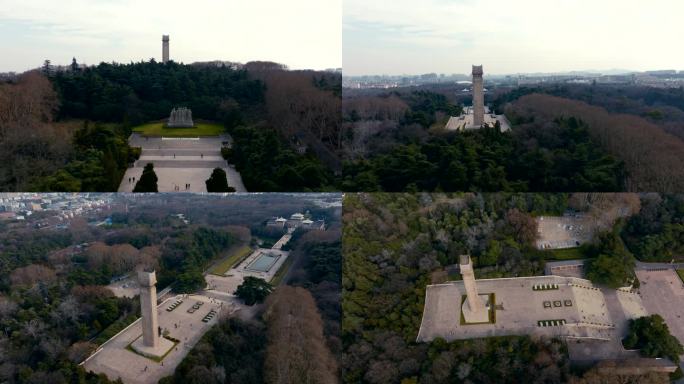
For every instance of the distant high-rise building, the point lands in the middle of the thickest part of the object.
(478, 96)
(165, 48)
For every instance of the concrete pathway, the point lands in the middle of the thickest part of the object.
(181, 161)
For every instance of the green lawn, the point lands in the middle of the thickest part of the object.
(235, 256)
(680, 272)
(275, 281)
(200, 129)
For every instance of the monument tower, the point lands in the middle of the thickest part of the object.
(148, 308)
(474, 310)
(478, 96)
(165, 48)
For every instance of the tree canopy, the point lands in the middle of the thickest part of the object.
(253, 290)
(651, 336)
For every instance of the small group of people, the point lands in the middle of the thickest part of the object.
(131, 180)
(177, 187)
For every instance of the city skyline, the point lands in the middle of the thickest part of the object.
(123, 31)
(528, 36)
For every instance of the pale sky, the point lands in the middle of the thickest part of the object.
(511, 36)
(299, 33)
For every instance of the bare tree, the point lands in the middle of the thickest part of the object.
(296, 352)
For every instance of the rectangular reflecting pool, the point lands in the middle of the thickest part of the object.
(263, 262)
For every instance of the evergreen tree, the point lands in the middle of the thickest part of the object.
(253, 290)
(148, 180)
(218, 182)
(652, 337)
(47, 68)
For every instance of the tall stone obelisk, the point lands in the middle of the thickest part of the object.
(474, 310)
(165, 48)
(148, 308)
(478, 96)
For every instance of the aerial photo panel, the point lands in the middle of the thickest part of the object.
(341, 191)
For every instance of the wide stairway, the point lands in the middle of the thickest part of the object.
(181, 165)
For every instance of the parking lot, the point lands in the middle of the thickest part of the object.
(557, 232)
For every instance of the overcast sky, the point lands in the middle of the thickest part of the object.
(511, 36)
(298, 33)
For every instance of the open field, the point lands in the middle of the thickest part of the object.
(200, 129)
(236, 255)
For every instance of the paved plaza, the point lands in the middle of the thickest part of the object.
(181, 161)
(466, 121)
(556, 232)
(520, 305)
(117, 361)
(662, 292)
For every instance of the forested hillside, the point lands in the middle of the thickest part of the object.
(661, 106)
(396, 244)
(397, 143)
(651, 156)
(393, 243)
(68, 130)
(139, 92)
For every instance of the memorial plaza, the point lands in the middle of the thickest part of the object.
(180, 161)
(117, 359)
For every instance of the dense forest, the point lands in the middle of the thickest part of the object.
(630, 140)
(652, 233)
(54, 308)
(392, 245)
(396, 244)
(661, 106)
(68, 130)
(267, 164)
(656, 233)
(651, 156)
(397, 143)
(136, 93)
